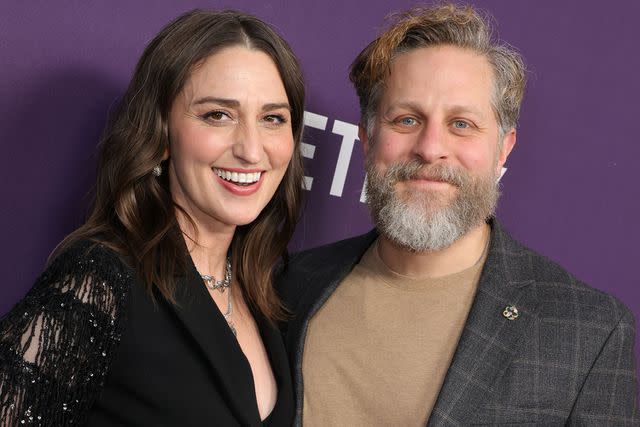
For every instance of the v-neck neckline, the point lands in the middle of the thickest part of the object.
(200, 313)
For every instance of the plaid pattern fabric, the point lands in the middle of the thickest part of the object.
(567, 359)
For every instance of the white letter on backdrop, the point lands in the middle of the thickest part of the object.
(349, 134)
(315, 121)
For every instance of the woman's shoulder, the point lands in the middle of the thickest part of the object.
(59, 339)
(85, 276)
(89, 255)
(89, 261)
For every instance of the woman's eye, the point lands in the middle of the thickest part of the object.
(275, 119)
(216, 116)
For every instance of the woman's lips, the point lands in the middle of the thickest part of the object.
(241, 182)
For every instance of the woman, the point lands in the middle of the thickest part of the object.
(160, 310)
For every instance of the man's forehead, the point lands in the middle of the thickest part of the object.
(428, 63)
(457, 77)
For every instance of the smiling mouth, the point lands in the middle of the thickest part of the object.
(429, 180)
(238, 178)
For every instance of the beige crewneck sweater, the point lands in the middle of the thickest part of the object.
(377, 352)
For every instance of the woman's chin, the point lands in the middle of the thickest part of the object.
(240, 220)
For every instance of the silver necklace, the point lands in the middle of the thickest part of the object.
(223, 285)
(220, 285)
(227, 315)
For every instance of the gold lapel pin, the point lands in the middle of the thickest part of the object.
(511, 312)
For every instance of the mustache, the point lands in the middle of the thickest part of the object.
(416, 169)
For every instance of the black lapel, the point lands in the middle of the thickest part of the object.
(489, 340)
(272, 340)
(317, 273)
(230, 368)
(277, 356)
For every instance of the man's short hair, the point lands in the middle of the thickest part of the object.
(448, 25)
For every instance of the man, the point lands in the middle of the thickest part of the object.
(438, 316)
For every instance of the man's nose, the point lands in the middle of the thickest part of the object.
(431, 145)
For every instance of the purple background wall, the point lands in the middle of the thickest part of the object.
(570, 192)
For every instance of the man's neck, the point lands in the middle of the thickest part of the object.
(462, 254)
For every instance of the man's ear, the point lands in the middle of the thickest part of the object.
(508, 142)
(364, 139)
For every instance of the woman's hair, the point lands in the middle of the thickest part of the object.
(133, 211)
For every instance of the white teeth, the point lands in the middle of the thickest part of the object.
(238, 177)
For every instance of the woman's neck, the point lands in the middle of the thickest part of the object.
(207, 242)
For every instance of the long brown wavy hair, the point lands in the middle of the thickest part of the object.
(133, 211)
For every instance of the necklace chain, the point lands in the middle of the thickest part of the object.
(227, 315)
(222, 286)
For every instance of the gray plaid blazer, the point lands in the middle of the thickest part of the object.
(566, 360)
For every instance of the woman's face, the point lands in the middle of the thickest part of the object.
(230, 138)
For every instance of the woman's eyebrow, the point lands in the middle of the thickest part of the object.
(235, 103)
(276, 106)
(213, 100)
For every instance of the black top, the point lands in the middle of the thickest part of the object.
(180, 365)
(87, 345)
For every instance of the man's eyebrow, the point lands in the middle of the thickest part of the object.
(461, 109)
(409, 105)
(452, 109)
(235, 103)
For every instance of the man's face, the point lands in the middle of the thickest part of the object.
(433, 158)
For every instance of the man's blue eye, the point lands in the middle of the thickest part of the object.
(459, 124)
(408, 121)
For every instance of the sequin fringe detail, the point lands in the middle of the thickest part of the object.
(56, 343)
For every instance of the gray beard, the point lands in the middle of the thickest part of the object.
(420, 221)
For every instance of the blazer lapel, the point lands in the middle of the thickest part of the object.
(489, 340)
(321, 274)
(206, 324)
(277, 356)
(274, 345)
